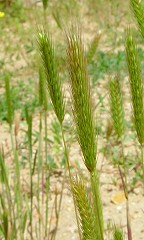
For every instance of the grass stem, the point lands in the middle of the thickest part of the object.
(125, 186)
(70, 178)
(97, 203)
(142, 161)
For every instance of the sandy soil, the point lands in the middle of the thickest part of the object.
(114, 204)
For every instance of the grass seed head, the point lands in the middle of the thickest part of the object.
(116, 106)
(84, 208)
(93, 47)
(138, 10)
(45, 4)
(135, 85)
(50, 66)
(82, 106)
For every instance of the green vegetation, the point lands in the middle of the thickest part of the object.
(59, 97)
(21, 97)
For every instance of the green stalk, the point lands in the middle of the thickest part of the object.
(47, 167)
(47, 199)
(39, 171)
(70, 178)
(18, 197)
(97, 203)
(29, 133)
(45, 20)
(142, 159)
(125, 186)
(59, 205)
(5, 181)
(43, 104)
